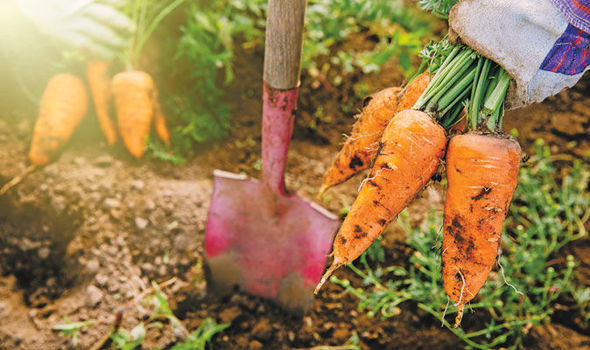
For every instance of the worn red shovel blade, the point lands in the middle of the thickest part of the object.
(259, 238)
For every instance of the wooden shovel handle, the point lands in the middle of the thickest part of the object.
(284, 37)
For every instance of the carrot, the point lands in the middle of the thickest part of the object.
(413, 145)
(160, 120)
(63, 105)
(133, 92)
(482, 172)
(361, 147)
(99, 81)
(413, 91)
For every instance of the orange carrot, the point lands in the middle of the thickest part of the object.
(412, 147)
(133, 92)
(63, 105)
(412, 92)
(160, 120)
(361, 147)
(99, 81)
(482, 172)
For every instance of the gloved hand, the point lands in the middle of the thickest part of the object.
(94, 25)
(543, 44)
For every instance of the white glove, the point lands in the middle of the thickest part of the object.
(94, 25)
(532, 39)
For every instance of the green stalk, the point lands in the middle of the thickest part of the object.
(449, 75)
(434, 82)
(450, 119)
(146, 15)
(458, 89)
(155, 22)
(457, 102)
(498, 94)
(447, 84)
(478, 90)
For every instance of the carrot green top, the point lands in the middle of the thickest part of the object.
(463, 80)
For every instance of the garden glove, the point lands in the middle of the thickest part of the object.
(543, 44)
(94, 25)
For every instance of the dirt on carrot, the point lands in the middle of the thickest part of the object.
(411, 149)
(362, 145)
(482, 172)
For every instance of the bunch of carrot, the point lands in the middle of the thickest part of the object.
(65, 99)
(404, 148)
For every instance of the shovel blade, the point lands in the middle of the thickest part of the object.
(269, 245)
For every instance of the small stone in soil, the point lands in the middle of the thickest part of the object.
(141, 223)
(262, 330)
(229, 315)
(137, 185)
(93, 295)
(150, 205)
(92, 266)
(255, 345)
(101, 279)
(340, 335)
(44, 252)
(111, 203)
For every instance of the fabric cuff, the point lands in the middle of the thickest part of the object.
(577, 12)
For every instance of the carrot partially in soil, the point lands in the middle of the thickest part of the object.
(63, 106)
(100, 87)
(133, 92)
(160, 121)
(361, 147)
(482, 172)
(413, 145)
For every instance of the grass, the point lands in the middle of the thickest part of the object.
(532, 275)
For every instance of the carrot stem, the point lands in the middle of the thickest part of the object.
(436, 79)
(449, 74)
(449, 99)
(497, 95)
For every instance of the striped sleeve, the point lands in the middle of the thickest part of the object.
(577, 12)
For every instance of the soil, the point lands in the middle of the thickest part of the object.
(85, 235)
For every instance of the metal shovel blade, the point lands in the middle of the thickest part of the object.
(259, 238)
(267, 245)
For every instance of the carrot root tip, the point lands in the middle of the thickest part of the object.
(17, 179)
(459, 316)
(322, 190)
(325, 277)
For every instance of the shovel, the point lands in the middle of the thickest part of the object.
(260, 238)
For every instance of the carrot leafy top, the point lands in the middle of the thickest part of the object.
(463, 80)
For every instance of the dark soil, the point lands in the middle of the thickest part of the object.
(83, 236)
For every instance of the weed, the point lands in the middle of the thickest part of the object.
(545, 216)
(196, 340)
(72, 329)
(130, 340)
(201, 336)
